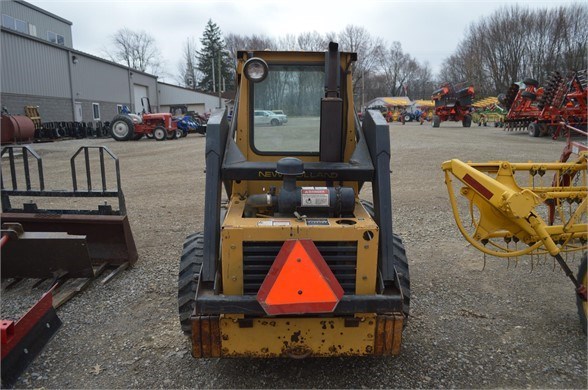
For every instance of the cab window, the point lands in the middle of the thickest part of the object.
(295, 92)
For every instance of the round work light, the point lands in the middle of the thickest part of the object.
(255, 69)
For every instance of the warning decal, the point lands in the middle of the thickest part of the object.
(314, 197)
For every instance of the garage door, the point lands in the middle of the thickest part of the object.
(140, 92)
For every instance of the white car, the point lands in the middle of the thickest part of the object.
(264, 117)
(281, 114)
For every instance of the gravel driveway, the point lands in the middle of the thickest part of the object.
(501, 327)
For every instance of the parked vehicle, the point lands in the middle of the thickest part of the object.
(127, 126)
(298, 266)
(281, 114)
(264, 117)
(187, 124)
(453, 102)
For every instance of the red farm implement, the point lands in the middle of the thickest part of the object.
(541, 111)
(453, 102)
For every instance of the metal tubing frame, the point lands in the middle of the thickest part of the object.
(76, 193)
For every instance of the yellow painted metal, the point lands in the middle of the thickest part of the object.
(510, 212)
(397, 102)
(584, 281)
(297, 337)
(243, 124)
(424, 103)
(284, 58)
(236, 229)
(486, 102)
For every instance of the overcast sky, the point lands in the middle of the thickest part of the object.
(428, 30)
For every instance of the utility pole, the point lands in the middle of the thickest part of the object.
(213, 80)
(219, 80)
(363, 90)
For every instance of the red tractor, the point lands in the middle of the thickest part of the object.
(541, 111)
(127, 126)
(453, 103)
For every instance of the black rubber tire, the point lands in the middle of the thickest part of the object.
(467, 121)
(529, 95)
(178, 134)
(534, 130)
(149, 135)
(123, 121)
(407, 118)
(275, 122)
(531, 82)
(400, 262)
(137, 137)
(579, 302)
(188, 278)
(160, 133)
(436, 121)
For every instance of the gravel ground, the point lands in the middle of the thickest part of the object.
(501, 327)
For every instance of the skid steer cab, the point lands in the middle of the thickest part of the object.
(295, 264)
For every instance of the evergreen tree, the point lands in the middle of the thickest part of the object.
(213, 46)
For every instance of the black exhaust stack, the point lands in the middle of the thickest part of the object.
(331, 143)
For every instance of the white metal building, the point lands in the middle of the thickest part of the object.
(174, 96)
(40, 67)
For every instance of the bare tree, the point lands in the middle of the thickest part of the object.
(136, 49)
(515, 43)
(379, 70)
(187, 70)
(236, 42)
(311, 41)
(358, 39)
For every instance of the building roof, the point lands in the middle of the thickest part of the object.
(424, 103)
(74, 51)
(224, 95)
(41, 10)
(391, 101)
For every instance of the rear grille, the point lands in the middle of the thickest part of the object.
(258, 257)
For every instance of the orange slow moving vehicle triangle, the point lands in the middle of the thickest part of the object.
(299, 281)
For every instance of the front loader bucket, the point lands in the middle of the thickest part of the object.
(108, 237)
(106, 232)
(43, 255)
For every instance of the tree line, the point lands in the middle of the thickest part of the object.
(511, 44)
(515, 43)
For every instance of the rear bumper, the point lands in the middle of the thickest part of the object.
(237, 326)
(296, 337)
(208, 304)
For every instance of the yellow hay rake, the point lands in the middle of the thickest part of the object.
(511, 219)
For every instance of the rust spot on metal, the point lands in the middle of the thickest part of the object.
(295, 338)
